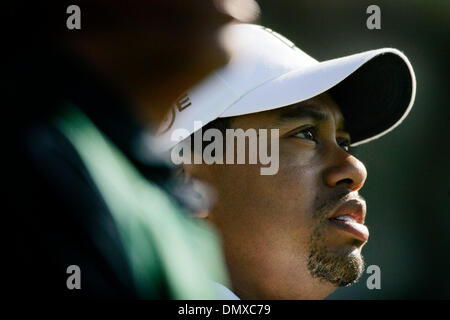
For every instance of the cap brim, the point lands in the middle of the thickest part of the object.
(374, 89)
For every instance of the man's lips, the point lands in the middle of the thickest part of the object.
(350, 217)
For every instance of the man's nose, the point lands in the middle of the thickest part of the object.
(346, 170)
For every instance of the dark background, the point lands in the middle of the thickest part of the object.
(407, 188)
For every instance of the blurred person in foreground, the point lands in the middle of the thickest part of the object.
(84, 187)
(292, 228)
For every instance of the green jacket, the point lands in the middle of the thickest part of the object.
(160, 241)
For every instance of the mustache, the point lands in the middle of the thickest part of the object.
(324, 208)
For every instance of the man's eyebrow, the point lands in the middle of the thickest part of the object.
(301, 111)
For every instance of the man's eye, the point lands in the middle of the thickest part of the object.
(307, 133)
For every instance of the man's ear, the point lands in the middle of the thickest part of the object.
(201, 195)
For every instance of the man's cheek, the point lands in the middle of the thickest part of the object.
(293, 152)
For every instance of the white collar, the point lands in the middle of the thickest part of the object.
(224, 293)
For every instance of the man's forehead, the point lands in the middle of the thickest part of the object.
(320, 108)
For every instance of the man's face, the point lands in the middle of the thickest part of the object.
(279, 240)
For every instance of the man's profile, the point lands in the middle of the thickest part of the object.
(297, 234)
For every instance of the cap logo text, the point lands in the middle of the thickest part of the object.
(183, 102)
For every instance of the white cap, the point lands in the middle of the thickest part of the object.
(374, 89)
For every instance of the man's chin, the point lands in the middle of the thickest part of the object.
(341, 266)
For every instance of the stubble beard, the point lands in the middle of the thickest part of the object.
(338, 267)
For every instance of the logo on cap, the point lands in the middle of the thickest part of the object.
(182, 103)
